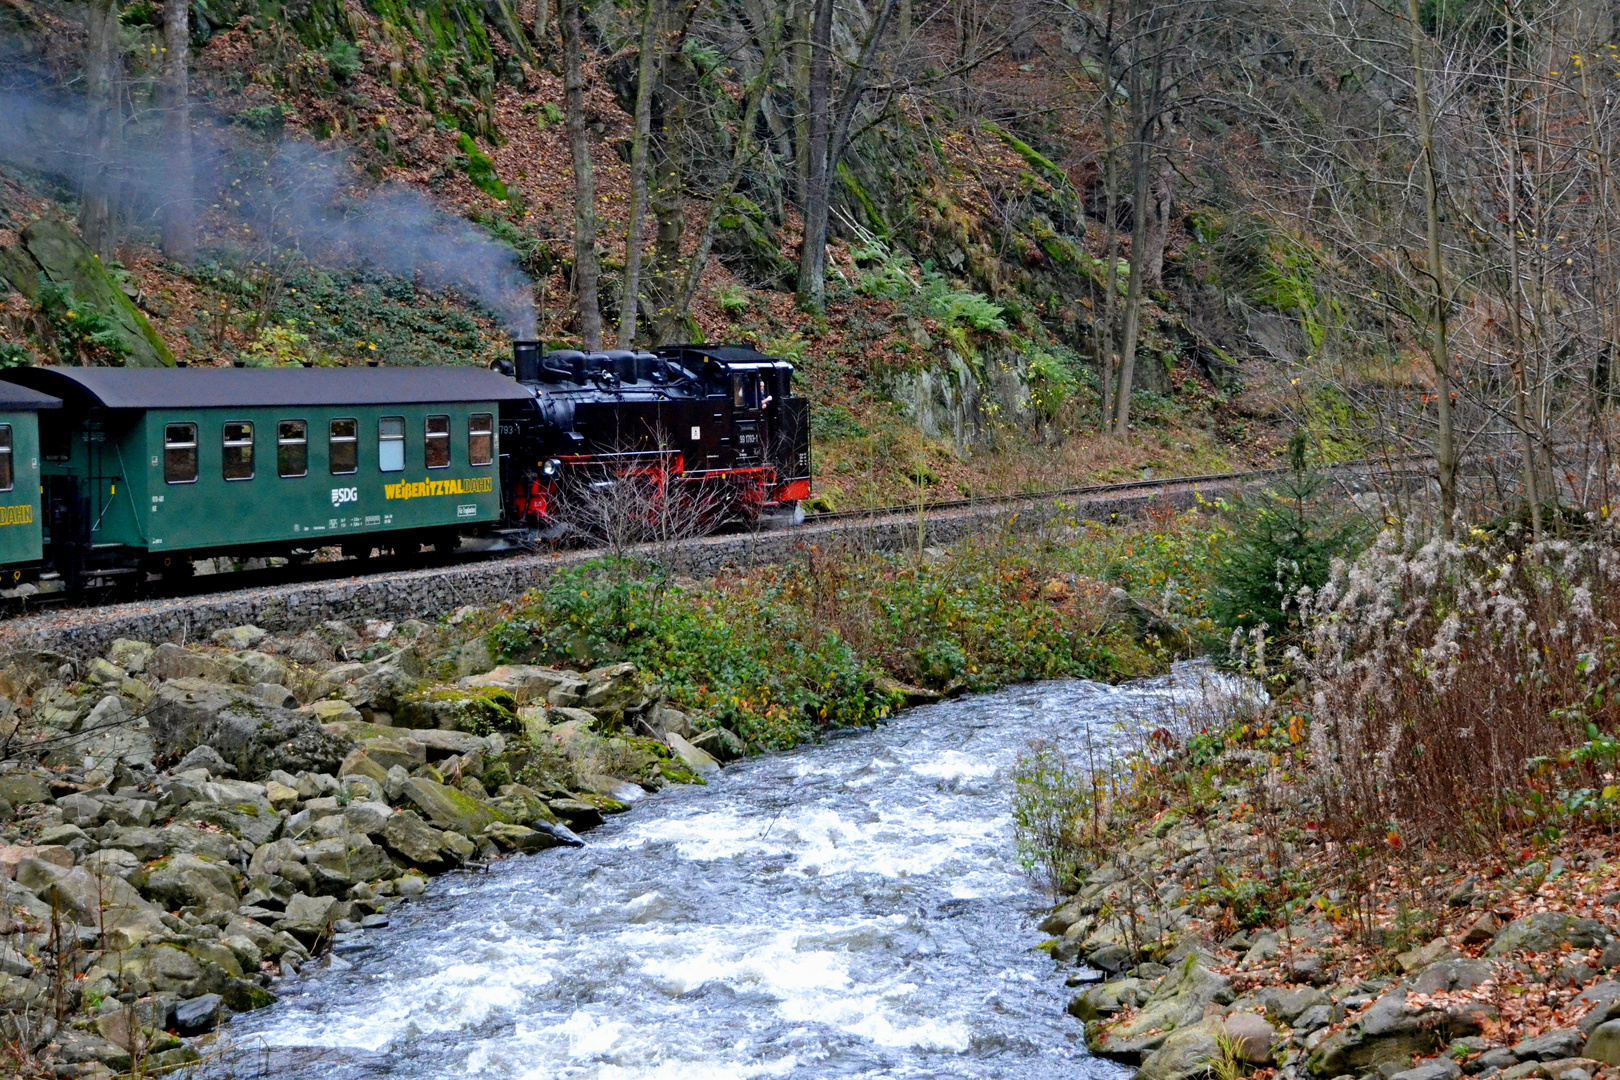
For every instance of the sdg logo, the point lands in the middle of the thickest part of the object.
(345, 495)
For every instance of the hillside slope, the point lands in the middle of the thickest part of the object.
(384, 181)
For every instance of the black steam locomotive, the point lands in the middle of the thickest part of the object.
(715, 427)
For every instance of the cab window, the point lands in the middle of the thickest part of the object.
(480, 438)
(437, 449)
(180, 453)
(343, 446)
(8, 478)
(292, 448)
(391, 444)
(238, 450)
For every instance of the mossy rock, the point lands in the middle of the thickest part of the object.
(478, 711)
(746, 243)
(53, 249)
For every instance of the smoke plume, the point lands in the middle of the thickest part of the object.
(293, 196)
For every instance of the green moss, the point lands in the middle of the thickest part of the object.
(873, 216)
(480, 169)
(1043, 165)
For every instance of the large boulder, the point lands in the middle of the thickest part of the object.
(1599, 1002)
(240, 807)
(1548, 930)
(171, 661)
(51, 250)
(1251, 1037)
(1393, 1030)
(1551, 1045)
(448, 808)
(1287, 1003)
(308, 918)
(186, 880)
(1103, 1000)
(1179, 1001)
(1190, 1052)
(106, 902)
(1604, 1043)
(252, 735)
(417, 843)
(698, 762)
(1455, 974)
(23, 788)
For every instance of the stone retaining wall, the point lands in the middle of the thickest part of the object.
(425, 594)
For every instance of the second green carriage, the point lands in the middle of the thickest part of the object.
(147, 469)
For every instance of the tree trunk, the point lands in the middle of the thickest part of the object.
(179, 240)
(1141, 164)
(1158, 225)
(646, 76)
(827, 146)
(542, 13)
(587, 271)
(798, 64)
(1521, 391)
(96, 220)
(817, 188)
(1445, 449)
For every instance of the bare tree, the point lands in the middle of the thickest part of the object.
(828, 137)
(587, 269)
(646, 76)
(178, 235)
(98, 183)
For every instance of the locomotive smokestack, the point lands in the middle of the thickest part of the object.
(526, 359)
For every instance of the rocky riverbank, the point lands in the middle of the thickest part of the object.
(1512, 971)
(184, 825)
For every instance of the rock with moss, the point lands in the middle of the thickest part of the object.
(447, 808)
(1188, 1052)
(1393, 1030)
(50, 252)
(1179, 1001)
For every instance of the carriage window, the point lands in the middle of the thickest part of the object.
(742, 392)
(480, 438)
(7, 477)
(391, 444)
(292, 448)
(238, 450)
(180, 453)
(438, 442)
(343, 446)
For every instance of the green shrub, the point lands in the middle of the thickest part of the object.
(732, 299)
(1283, 541)
(84, 335)
(343, 60)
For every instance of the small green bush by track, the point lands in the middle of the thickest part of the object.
(781, 653)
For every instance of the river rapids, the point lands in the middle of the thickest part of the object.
(854, 909)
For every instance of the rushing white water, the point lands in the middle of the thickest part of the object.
(847, 910)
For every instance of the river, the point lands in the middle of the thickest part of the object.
(853, 909)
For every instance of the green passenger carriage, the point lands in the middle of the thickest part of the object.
(147, 469)
(21, 524)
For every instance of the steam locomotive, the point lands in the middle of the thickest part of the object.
(718, 426)
(110, 475)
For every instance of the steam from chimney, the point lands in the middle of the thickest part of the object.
(298, 197)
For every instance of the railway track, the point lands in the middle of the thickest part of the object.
(296, 597)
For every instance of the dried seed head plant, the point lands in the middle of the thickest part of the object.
(1440, 670)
